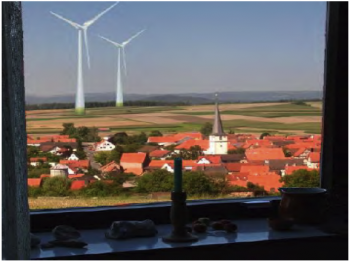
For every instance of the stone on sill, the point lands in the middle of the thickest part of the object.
(130, 229)
(72, 243)
(63, 232)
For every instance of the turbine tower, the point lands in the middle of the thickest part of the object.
(121, 52)
(82, 33)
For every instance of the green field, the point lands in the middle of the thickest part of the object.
(254, 117)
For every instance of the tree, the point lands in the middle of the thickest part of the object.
(207, 129)
(237, 151)
(80, 154)
(197, 183)
(116, 154)
(102, 157)
(264, 134)
(142, 138)
(119, 138)
(257, 189)
(286, 152)
(155, 133)
(170, 147)
(68, 129)
(302, 178)
(231, 131)
(56, 187)
(159, 180)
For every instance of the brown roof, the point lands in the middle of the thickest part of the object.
(233, 167)
(232, 158)
(280, 164)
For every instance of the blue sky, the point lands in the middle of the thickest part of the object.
(187, 46)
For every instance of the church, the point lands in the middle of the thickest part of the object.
(218, 142)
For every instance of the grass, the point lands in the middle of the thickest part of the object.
(312, 127)
(67, 202)
(192, 123)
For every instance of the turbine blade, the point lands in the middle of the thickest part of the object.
(124, 62)
(75, 25)
(133, 37)
(110, 41)
(93, 20)
(87, 47)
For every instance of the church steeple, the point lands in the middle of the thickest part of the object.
(217, 127)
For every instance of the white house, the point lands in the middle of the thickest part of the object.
(104, 146)
(73, 157)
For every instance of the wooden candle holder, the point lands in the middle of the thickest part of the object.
(178, 217)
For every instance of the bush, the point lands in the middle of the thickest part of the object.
(101, 189)
(157, 181)
(34, 192)
(197, 183)
(56, 187)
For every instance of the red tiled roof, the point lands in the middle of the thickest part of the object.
(252, 169)
(133, 158)
(44, 159)
(159, 163)
(163, 139)
(72, 176)
(264, 153)
(299, 152)
(233, 167)
(193, 135)
(212, 159)
(34, 182)
(314, 157)
(204, 144)
(110, 167)
(64, 140)
(76, 163)
(29, 141)
(77, 184)
(268, 180)
(159, 153)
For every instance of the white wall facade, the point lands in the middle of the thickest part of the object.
(217, 145)
(105, 146)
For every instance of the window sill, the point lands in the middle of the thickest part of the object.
(46, 220)
(249, 231)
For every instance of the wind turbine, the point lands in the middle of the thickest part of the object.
(82, 32)
(121, 52)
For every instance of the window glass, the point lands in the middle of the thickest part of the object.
(152, 84)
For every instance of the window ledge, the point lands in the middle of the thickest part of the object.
(249, 231)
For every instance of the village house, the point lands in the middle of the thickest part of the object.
(104, 145)
(233, 168)
(313, 161)
(73, 157)
(264, 154)
(134, 162)
(111, 167)
(37, 161)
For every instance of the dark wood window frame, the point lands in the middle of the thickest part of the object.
(334, 176)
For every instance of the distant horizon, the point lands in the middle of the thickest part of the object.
(182, 93)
